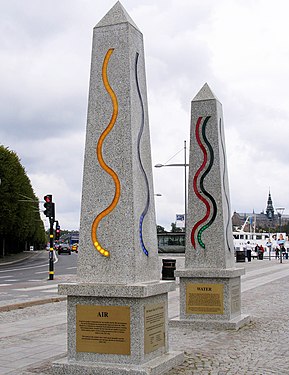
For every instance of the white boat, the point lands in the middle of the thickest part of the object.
(241, 240)
(242, 237)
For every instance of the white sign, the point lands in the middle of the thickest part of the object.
(180, 220)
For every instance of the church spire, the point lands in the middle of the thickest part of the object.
(270, 208)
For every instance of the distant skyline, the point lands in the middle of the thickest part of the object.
(239, 48)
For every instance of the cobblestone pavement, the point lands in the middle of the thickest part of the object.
(259, 348)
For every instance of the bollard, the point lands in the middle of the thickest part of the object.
(168, 269)
(240, 256)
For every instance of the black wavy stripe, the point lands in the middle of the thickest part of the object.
(139, 157)
(226, 196)
(211, 161)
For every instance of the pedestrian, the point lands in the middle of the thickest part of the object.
(248, 250)
(281, 243)
(269, 245)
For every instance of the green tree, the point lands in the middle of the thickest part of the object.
(160, 229)
(20, 222)
(175, 229)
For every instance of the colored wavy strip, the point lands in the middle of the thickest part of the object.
(204, 191)
(102, 163)
(202, 188)
(144, 249)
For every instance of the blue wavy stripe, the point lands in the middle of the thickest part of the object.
(140, 162)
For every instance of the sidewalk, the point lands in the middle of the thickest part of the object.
(15, 258)
(33, 337)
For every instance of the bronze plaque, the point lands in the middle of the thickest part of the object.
(103, 329)
(154, 327)
(235, 298)
(205, 299)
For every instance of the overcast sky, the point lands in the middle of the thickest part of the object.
(240, 48)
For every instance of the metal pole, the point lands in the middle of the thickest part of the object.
(270, 247)
(280, 250)
(185, 166)
(51, 264)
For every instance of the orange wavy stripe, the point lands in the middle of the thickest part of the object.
(102, 163)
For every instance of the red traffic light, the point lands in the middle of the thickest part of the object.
(48, 198)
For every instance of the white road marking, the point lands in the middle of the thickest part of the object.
(23, 268)
(50, 291)
(37, 288)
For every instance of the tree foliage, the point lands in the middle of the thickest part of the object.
(20, 222)
(175, 229)
(160, 229)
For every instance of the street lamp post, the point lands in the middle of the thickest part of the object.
(280, 242)
(185, 165)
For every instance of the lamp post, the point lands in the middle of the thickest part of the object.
(280, 241)
(185, 165)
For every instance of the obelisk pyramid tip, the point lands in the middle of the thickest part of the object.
(205, 94)
(117, 14)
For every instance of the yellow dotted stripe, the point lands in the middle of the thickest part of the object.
(102, 163)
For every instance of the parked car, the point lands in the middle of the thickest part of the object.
(64, 248)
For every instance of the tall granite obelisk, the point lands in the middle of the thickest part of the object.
(210, 293)
(118, 308)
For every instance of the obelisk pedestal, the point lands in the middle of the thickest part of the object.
(117, 313)
(210, 285)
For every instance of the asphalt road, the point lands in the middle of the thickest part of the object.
(28, 279)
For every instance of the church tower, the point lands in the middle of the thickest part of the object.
(270, 208)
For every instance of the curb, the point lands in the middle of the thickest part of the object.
(23, 305)
(33, 253)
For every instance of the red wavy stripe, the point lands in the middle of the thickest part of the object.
(195, 180)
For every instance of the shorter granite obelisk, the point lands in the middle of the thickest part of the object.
(210, 293)
(118, 309)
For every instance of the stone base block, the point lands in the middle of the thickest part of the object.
(233, 324)
(211, 298)
(157, 366)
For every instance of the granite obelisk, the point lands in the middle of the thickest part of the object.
(117, 308)
(210, 293)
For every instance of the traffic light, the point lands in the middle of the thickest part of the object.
(57, 231)
(49, 207)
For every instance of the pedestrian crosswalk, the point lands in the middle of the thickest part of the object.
(41, 287)
(37, 290)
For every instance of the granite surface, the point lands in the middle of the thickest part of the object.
(209, 211)
(127, 152)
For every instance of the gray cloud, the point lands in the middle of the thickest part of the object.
(45, 60)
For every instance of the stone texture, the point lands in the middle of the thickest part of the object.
(217, 238)
(118, 265)
(118, 231)
(210, 285)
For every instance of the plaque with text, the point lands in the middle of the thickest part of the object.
(154, 327)
(103, 329)
(205, 298)
(235, 298)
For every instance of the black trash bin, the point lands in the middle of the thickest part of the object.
(240, 256)
(168, 269)
(260, 255)
(249, 255)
